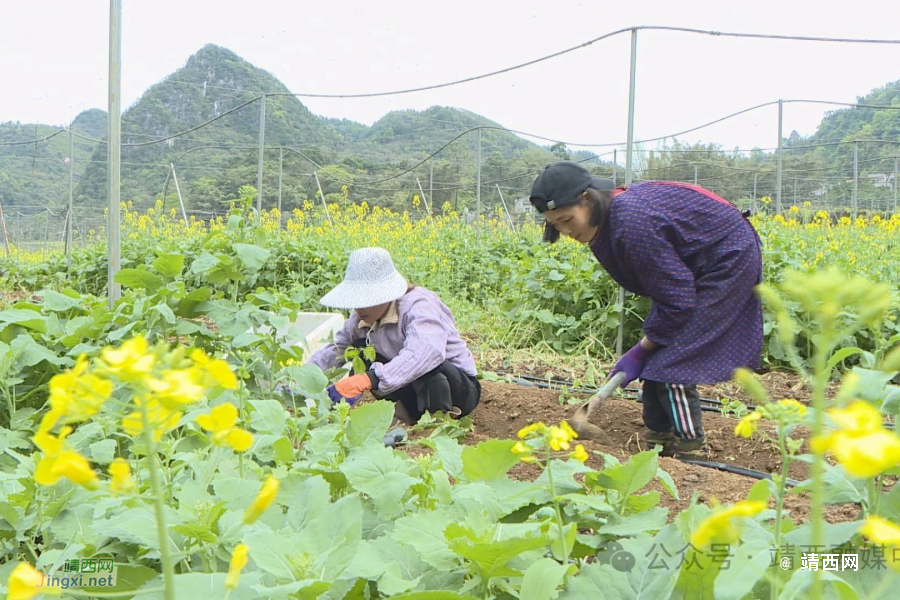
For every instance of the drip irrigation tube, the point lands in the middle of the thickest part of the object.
(738, 470)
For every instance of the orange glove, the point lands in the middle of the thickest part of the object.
(350, 387)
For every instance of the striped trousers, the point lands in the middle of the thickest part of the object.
(673, 407)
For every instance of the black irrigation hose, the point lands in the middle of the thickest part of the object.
(561, 383)
(738, 470)
(558, 384)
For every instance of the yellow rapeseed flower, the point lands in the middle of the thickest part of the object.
(265, 498)
(861, 444)
(161, 419)
(237, 564)
(793, 404)
(221, 422)
(720, 527)
(215, 371)
(748, 425)
(76, 395)
(579, 454)
(23, 584)
(564, 425)
(177, 388)
(530, 429)
(59, 461)
(120, 476)
(130, 362)
(559, 439)
(521, 448)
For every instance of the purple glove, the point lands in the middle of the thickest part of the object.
(336, 396)
(632, 363)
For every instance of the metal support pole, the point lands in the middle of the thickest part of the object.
(508, 216)
(262, 142)
(695, 174)
(322, 195)
(615, 165)
(69, 223)
(620, 336)
(895, 184)
(431, 183)
(754, 188)
(114, 150)
(855, 200)
(780, 158)
(478, 188)
(424, 199)
(280, 169)
(178, 191)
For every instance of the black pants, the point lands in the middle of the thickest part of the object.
(438, 390)
(673, 407)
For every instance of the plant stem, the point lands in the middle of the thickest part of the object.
(820, 380)
(559, 522)
(159, 508)
(779, 503)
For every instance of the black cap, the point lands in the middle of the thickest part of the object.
(562, 183)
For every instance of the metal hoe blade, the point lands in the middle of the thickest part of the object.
(580, 421)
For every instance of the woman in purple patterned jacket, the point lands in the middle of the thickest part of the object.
(421, 362)
(698, 259)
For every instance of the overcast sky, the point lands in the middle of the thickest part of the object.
(54, 59)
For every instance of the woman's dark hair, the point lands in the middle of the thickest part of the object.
(595, 199)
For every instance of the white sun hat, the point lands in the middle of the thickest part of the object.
(371, 279)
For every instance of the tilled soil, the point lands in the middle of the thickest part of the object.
(506, 408)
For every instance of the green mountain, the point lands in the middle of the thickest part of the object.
(37, 175)
(212, 162)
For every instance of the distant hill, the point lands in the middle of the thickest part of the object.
(38, 174)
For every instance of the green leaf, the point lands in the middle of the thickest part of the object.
(667, 482)
(169, 265)
(834, 534)
(871, 384)
(165, 312)
(798, 586)
(649, 520)
(840, 356)
(368, 423)
(489, 460)
(839, 487)
(652, 575)
(380, 474)
(748, 564)
(28, 319)
(433, 596)
(424, 531)
(449, 452)
(128, 577)
(268, 416)
(491, 557)
(542, 579)
(252, 256)
(193, 586)
(630, 477)
(104, 451)
(761, 491)
(273, 552)
(307, 501)
(56, 302)
(204, 263)
(308, 380)
(136, 526)
(139, 279)
(333, 540)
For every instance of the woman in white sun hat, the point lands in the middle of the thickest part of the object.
(421, 362)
